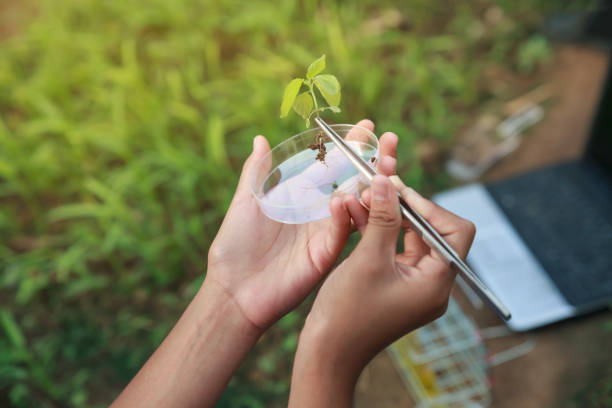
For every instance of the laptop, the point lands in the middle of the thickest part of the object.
(544, 238)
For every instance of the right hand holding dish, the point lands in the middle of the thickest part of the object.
(377, 295)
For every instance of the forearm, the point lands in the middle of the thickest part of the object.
(193, 365)
(323, 376)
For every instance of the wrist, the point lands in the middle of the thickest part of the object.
(331, 342)
(218, 304)
(195, 362)
(324, 372)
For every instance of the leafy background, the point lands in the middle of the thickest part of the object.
(123, 126)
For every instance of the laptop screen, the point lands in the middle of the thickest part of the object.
(600, 142)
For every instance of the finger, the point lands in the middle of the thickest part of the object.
(366, 198)
(252, 167)
(458, 231)
(385, 220)
(357, 212)
(387, 162)
(435, 282)
(388, 144)
(365, 202)
(366, 123)
(386, 165)
(361, 132)
(414, 248)
(339, 229)
(435, 268)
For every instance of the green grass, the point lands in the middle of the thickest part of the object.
(123, 127)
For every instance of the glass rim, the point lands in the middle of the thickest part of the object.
(252, 180)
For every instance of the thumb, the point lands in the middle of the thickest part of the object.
(260, 148)
(385, 218)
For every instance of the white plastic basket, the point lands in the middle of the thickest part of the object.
(444, 363)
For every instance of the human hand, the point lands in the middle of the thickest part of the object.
(376, 295)
(267, 267)
(258, 270)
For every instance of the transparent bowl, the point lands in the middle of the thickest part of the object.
(293, 187)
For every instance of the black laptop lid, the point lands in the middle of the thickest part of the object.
(562, 213)
(599, 147)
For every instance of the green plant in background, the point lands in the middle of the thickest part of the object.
(532, 53)
(123, 129)
(306, 104)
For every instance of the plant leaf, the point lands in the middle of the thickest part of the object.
(291, 92)
(215, 140)
(334, 109)
(303, 104)
(11, 328)
(329, 87)
(316, 67)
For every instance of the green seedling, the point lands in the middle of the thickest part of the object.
(306, 103)
(301, 95)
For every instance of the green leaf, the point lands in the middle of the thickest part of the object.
(291, 92)
(316, 67)
(86, 284)
(334, 109)
(215, 140)
(30, 286)
(303, 104)
(11, 328)
(70, 211)
(329, 87)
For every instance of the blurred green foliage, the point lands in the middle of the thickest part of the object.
(123, 126)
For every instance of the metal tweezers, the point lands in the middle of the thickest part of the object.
(429, 235)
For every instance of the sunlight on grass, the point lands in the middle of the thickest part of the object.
(123, 127)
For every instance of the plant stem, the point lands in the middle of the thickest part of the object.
(314, 99)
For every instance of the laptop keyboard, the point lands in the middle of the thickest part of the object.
(564, 215)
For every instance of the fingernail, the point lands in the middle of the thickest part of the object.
(379, 189)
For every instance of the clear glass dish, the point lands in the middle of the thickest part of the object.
(292, 186)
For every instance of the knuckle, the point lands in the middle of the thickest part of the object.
(385, 218)
(468, 227)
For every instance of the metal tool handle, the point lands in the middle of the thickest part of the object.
(446, 253)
